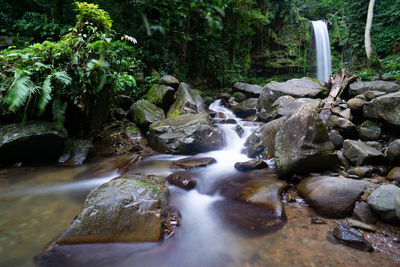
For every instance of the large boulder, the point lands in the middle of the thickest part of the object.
(302, 145)
(188, 101)
(297, 88)
(161, 95)
(287, 105)
(262, 141)
(332, 196)
(169, 80)
(380, 86)
(385, 107)
(383, 202)
(126, 209)
(31, 142)
(145, 113)
(246, 108)
(185, 134)
(345, 127)
(360, 153)
(250, 90)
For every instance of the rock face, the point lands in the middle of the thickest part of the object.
(76, 152)
(287, 105)
(188, 101)
(169, 80)
(369, 130)
(262, 141)
(393, 151)
(31, 142)
(360, 154)
(185, 134)
(126, 209)
(145, 113)
(380, 86)
(246, 108)
(351, 237)
(385, 107)
(302, 145)
(250, 90)
(383, 202)
(192, 162)
(161, 95)
(332, 196)
(297, 88)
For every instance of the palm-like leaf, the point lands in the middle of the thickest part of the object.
(45, 94)
(62, 77)
(59, 109)
(20, 89)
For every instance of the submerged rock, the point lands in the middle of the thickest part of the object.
(193, 162)
(302, 145)
(385, 107)
(352, 238)
(185, 134)
(182, 179)
(31, 142)
(250, 90)
(383, 202)
(380, 86)
(251, 165)
(127, 209)
(145, 113)
(360, 153)
(76, 152)
(188, 101)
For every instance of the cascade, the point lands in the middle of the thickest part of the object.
(323, 50)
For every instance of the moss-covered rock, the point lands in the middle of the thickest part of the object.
(169, 80)
(145, 113)
(161, 95)
(369, 130)
(188, 101)
(385, 107)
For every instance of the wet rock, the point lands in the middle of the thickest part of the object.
(373, 94)
(352, 238)
(302, 145)
(382, 201)
(342, 159)
(297, 88)
(239, 97)
(360, 154)
(317, 220)
(251, 165)
(381, 86)
(262, 141)
(393, 151)
(287, 105)
(169, 80)
(356, 103)
(228, 121)
(161, 96)
(246, 108)
(193, 162)
(182, 179)
(363, 213)
(127, 209)
(144, 113)
(239, 130)
(385, 107)
(369, 130)
(332, 196)
(188, 101)
(185, 134)
(250, 90)
(336, 139)
(361, 225)
(394, 174)
(361, 172)
(31, 142)
(345, 126)
(76, 151)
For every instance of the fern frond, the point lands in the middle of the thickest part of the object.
(45, 94)
(20, 89)
(62, 77)
(59, 110)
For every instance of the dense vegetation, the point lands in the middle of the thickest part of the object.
(53, 68)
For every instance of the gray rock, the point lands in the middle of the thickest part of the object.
(342, 159)
(287, 105)
(332, 196)
(352, 238)
(360, 154)
(361, 225)
(239, 97)
(144, 113)
(185, 134)
(129, 208)
(76, 151)
(345, 126)
(336, 139)
(188, 101)
(361, 172)
(31, 141)
(344, 113)
(394, 174)
(356, 103)
(393, 151)
(302, 145)
(382, 202)
(385, 107)
(246, 108)
(161, 95)
(397, 208)
(262, 141)
(369, 130)
(169, 80)
(297, 88)
(373, 94)
(250, 90)
(363, 213)
(193, 162)
(381, 86)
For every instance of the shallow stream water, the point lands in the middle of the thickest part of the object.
(38, 203)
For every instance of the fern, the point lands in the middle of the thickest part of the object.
(62, 77)
(45, 94)
(59, 110)
(20, 89)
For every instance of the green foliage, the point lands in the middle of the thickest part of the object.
(91, 13)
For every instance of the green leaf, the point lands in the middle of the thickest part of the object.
(62, 77)
(20, 89)
(44, 95)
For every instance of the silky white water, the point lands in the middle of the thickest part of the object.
(323, 50)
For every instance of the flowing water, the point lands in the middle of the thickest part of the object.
(323, 50)
(37, 204)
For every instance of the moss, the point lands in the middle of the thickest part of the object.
(173, 114)
(133, 128)
(321, 129)
(313, 79)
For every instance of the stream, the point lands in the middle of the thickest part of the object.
(38, 203)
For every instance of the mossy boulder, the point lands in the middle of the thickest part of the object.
(302, 145)
(187, 101)
(369, 130)
(31, 142)
(250, 90)
(386, 108)
(185, 134)
(161, 95)
(129, 208)
(144, 113)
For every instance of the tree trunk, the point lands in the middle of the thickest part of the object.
(368, 44)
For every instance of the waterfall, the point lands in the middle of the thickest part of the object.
(323, 48)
